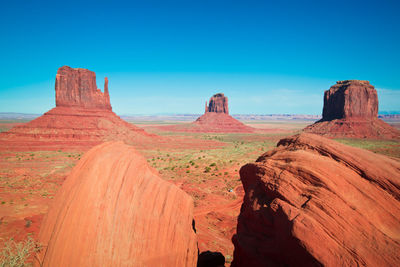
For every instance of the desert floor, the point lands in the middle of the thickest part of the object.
(209, 173)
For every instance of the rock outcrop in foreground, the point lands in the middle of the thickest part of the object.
(351, 110)
(315, 202)
(82, 117)
(114, 210)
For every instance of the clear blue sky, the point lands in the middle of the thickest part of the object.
(171, 56)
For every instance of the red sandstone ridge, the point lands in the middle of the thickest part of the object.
(315, 202)
(114, 210)
(215, 119)
(351, 110)
(82, 117)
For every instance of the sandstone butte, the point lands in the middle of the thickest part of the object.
(315, 202)
(351, 110)
(114, 210)
(215, 119)
(82, 117)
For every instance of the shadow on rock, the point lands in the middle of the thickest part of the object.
(211, 259)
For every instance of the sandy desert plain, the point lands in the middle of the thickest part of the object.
(206, 167)
(118, 146)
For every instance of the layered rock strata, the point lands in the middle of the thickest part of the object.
(351, 110)
(315, 202)
(83, 117)
(114, 210)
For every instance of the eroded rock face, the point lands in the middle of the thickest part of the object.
(82, 118)
(351, 110)
(315, 202)
(77, 88)
(350, 99)
(218, 103)
(217, 119)
(219, 122)
(114, 210)
(354, 128)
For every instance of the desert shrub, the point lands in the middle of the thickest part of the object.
(16, 254)
(213, 164)
(207, 169)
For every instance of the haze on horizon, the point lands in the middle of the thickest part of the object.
(166, 57)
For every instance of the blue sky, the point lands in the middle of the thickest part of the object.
(170, 56)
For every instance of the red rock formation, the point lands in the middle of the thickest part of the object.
(218, 103)
(114, 210)
(351, 110)
(82, 117)
(215, 119)
(354, 128)
(349, 99)
(219, 122)
(77, 88)
(315, 202)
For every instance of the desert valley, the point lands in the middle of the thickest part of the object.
(82, 187)
(199, 133)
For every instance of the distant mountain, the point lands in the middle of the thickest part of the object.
(392, 115)
(392, 112)
(17, 116)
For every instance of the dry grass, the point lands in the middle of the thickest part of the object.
(18, 254)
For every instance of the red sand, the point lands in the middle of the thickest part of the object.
(211, 122)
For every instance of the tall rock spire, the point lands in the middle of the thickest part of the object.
(218, 103)
(77, 88)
